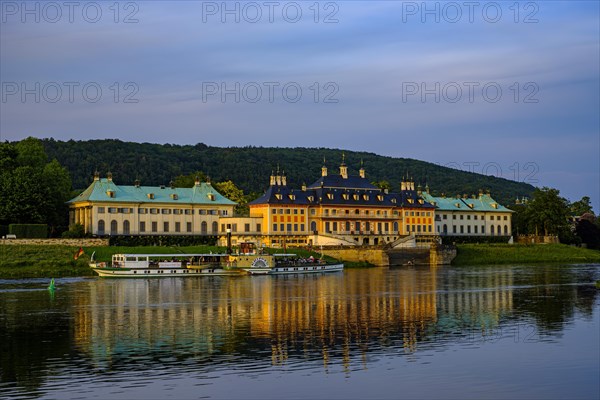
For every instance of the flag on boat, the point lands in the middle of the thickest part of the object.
(78, 253)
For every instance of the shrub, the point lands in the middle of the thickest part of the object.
(29, 231)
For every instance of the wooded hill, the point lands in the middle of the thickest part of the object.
(250, 167)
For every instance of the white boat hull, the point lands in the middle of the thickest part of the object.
(305, 269)
(160, 273)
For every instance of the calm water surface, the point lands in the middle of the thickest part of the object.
(482, 332)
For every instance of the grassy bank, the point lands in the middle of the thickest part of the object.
(36, 261)
(478, 254)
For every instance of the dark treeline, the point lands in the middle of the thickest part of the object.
(249, 167)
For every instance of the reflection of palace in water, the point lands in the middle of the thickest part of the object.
(334, 316)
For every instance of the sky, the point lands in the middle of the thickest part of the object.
(509, 89)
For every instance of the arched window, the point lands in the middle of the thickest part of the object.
(204, 228)
(506, 230)
(396, 226)
(445, 229)
(367, 226)
(347, 226)
(492, 229)
(113, 227)
(126, 227)
(313, 226)
(215, 227)
(499, 230)
(101, 227)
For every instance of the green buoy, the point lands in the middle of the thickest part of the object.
(51, 287)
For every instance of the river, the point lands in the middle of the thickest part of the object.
(500, 332)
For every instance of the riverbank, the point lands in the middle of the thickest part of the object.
(55, 261)
(487, 254)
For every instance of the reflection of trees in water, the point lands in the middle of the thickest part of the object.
(551, 295)
(32, 331)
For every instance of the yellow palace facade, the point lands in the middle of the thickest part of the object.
(337, 209)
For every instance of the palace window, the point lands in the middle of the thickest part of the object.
(154, 226)
(165, 211)
(246, 227)
(112, 210)
(165, 227)
(142, 226)
(189, 212)
(142, 211)
(188, 226)
(100, 210)
(177, 226)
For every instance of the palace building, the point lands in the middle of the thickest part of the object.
(337, 209)
(470, 216)
(105, 208)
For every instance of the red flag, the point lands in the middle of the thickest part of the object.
(78, 253)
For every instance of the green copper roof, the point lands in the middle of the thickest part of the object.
(105, 190)
(484, 202)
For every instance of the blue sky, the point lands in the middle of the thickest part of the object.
(510, 86)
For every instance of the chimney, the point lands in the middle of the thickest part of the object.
(109, 176)
(278, 178)
(419, 191)
(304, 187)
(172, 184)
(96, 176)
(272, 181)
(137, 183)
(361, 171)
(403, 185)
(197, 181)
(343, 167)
(283, 179)
(323, 171)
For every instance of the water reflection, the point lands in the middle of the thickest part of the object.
(94, 327)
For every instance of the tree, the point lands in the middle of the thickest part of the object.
(547, 213)
(589, 233)
(186, 181)
(383, 185)
(31, 189)
(581, 207)
(233, 193)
